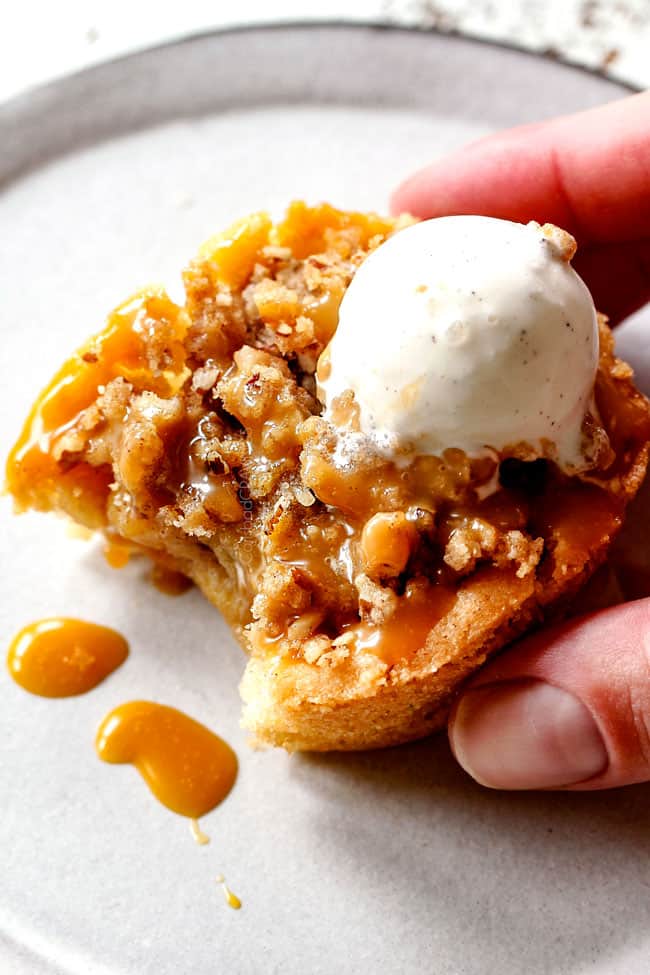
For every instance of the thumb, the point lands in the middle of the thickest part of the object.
(566, 708)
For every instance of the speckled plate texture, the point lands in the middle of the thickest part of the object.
(392, 861)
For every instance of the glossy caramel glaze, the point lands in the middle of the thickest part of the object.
(406, 631)
(187, 767)
(62, 657)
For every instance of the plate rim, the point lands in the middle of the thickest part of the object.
(353, 26)
(24, 112)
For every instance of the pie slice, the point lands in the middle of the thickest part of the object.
(362, 592)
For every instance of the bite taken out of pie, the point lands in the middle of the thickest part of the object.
(383, 449)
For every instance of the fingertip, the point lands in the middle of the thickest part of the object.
(411, 197)
(440, 188)
(451, 186)
(509, 175)
(445, 186)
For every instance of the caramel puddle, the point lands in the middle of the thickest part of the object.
(187, 767)
(61, 657)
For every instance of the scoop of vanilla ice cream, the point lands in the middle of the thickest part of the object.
(467, 332)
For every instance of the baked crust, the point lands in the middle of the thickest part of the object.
(192, 434)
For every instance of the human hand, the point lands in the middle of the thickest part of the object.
(568, 707)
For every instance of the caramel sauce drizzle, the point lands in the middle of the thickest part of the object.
(199, 837)
(231, 899)
(406, 631)
(117, 552)
(61, 657)
(188, 768)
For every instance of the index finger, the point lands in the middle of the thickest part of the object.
(588, 173)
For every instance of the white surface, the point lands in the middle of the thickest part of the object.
(390, 861)
(468, 332)
(41, 40)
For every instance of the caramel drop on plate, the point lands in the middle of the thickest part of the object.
(199, 837)
(231, 899)
(117, 553)
(170, 582)
(187, 767)
(61, 657)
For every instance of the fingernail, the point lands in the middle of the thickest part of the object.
(526, 734)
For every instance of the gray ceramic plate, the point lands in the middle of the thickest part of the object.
(390, 861)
